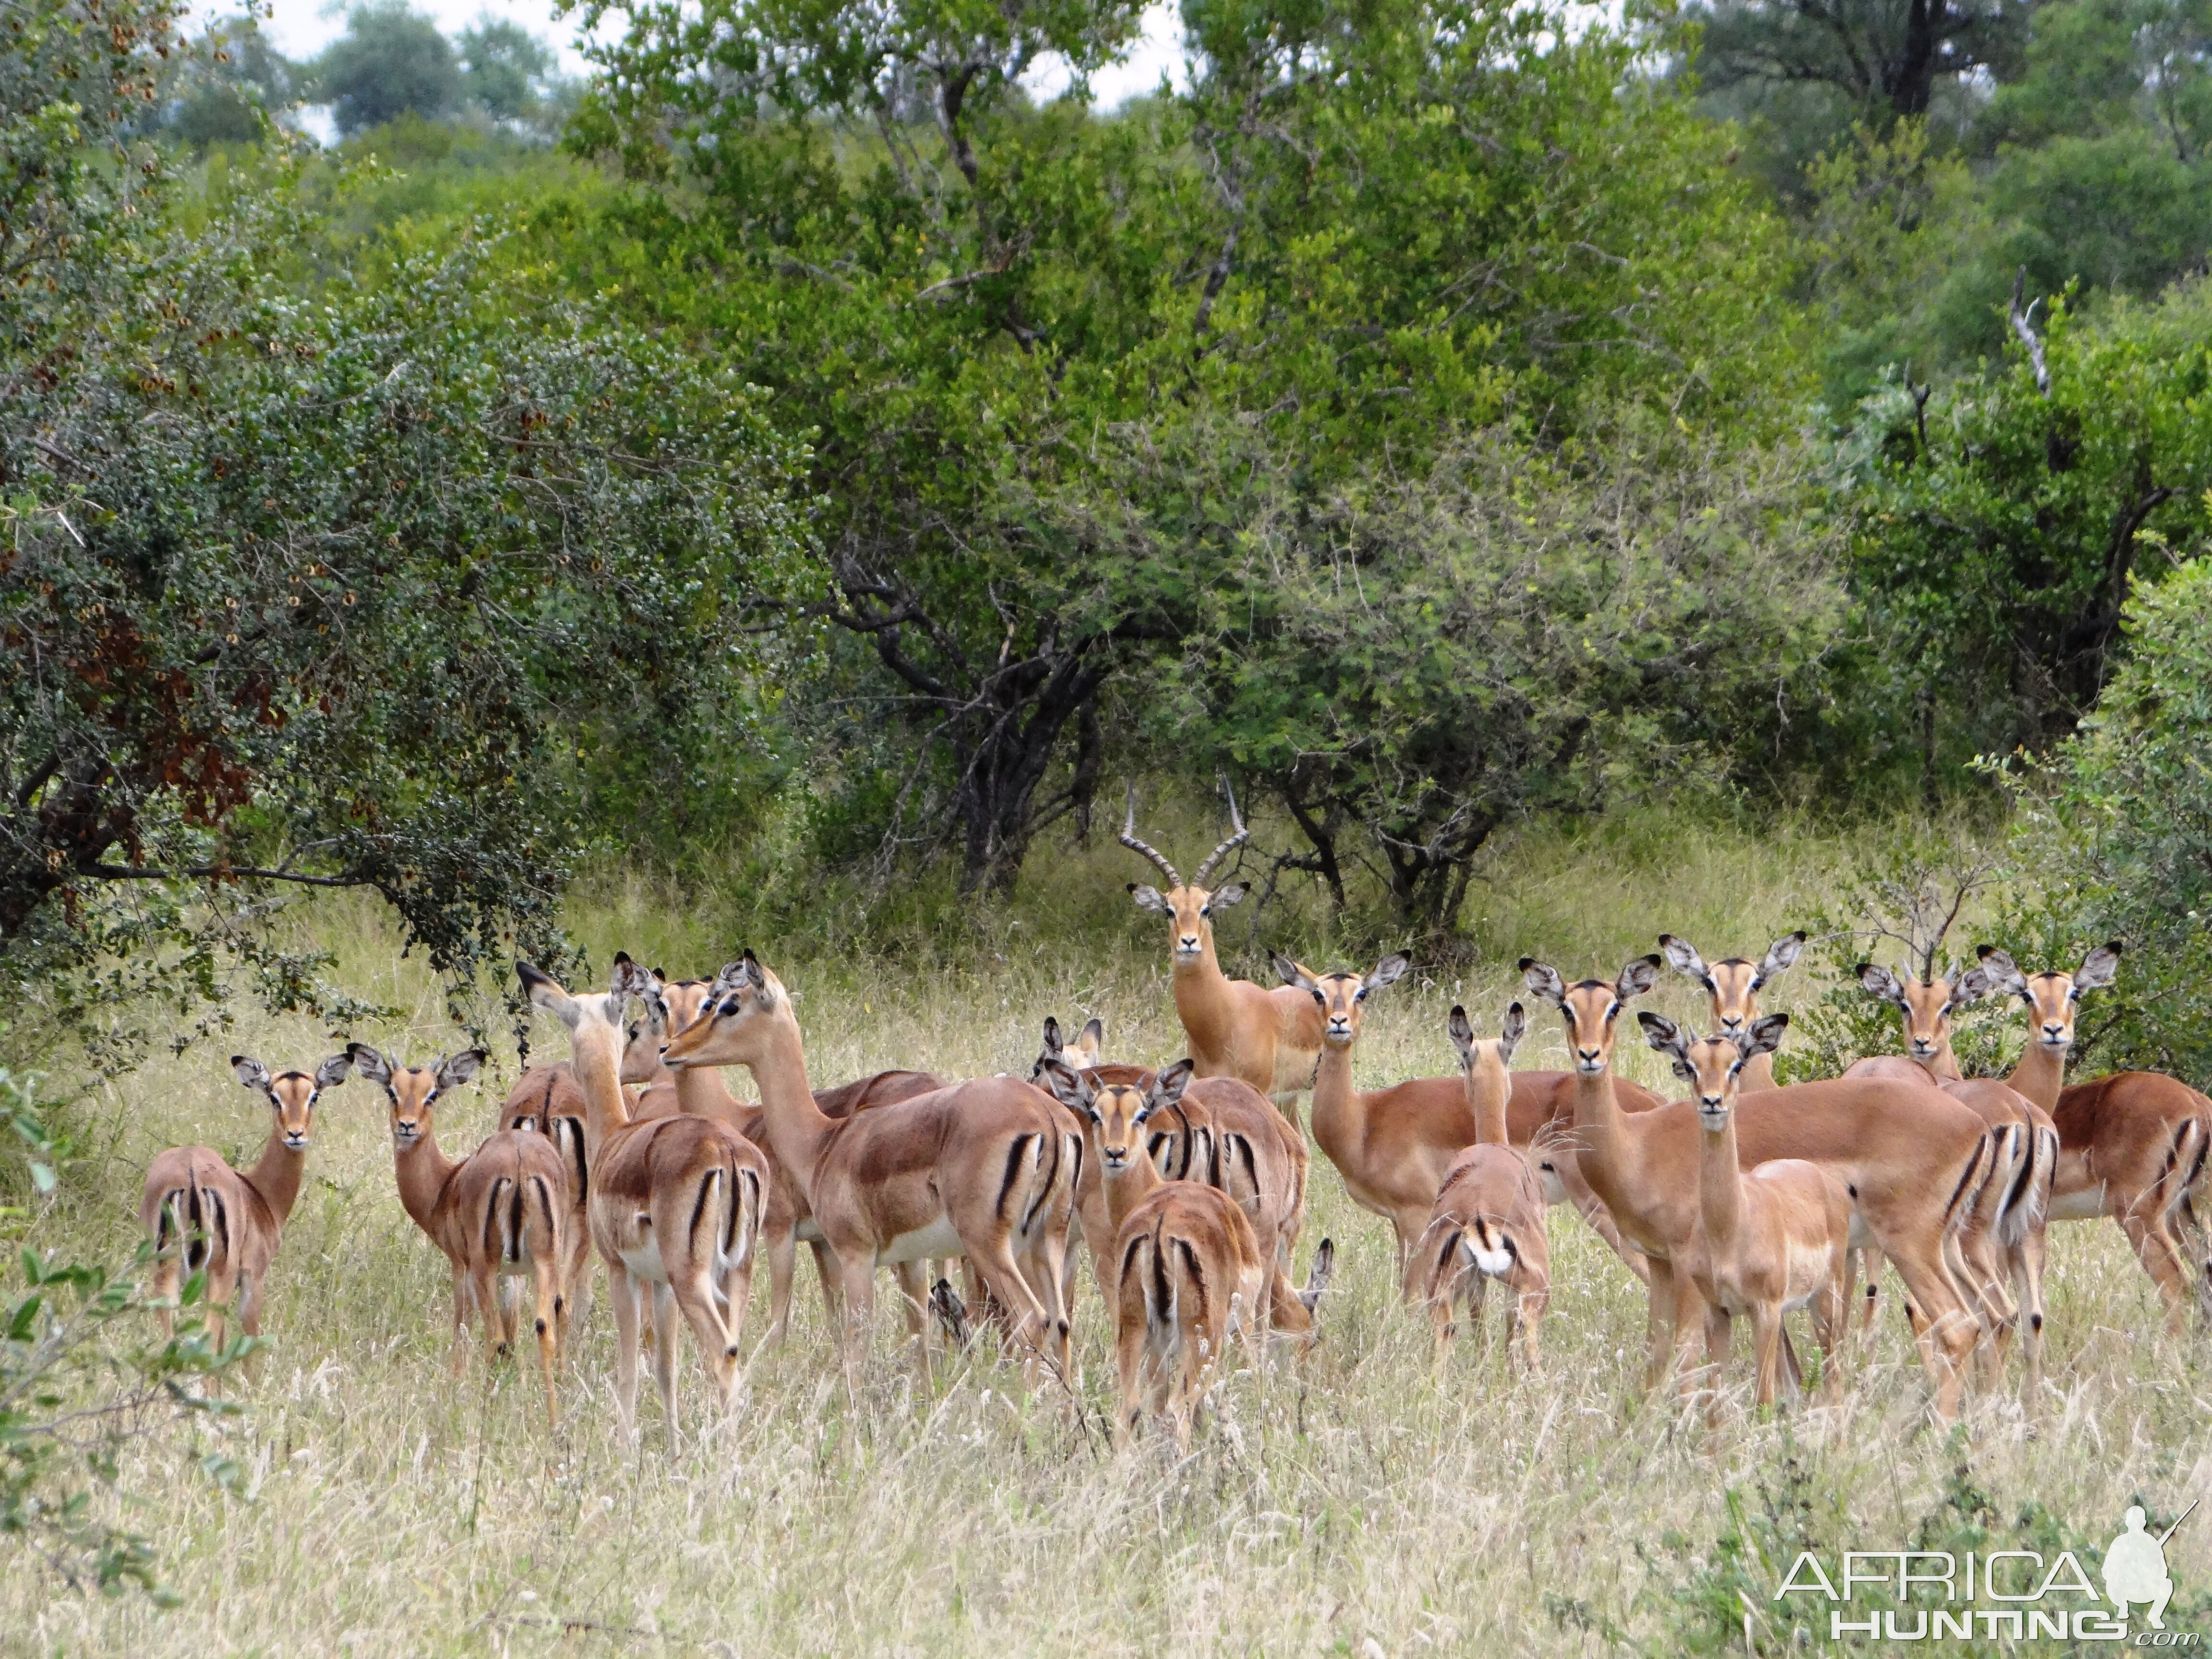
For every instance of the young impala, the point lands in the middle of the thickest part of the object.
(499, 1215)
(1912, 1160)
(1487, 1221)
(985, 1168)
(1236, 1029)
(1768, 1240)
(205, 1217)
(1187, 1272)
(1733, 985)
(676, 1204)
(2132, 1146)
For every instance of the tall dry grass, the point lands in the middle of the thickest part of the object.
(1362, 1504)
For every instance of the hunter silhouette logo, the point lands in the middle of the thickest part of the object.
(2135, 1567)
(1936, 1595)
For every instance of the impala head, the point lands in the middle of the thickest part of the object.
(1117, 1112)
(1080, 1055)
(1471, 1048)
(744, 1008)
(594, 1018)
(1590, 1006)
(1713, 1066)
(1342, 996)
(1189, 905)
(1733, 985)
(670, 1006)
(1926, 1004)
(292, 1095)
(412, 1089)
(2053, 998)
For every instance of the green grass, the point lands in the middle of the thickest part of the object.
(1361, 1504)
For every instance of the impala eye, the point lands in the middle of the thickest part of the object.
(1205, 910)
(1320, 999)
(1360, 995)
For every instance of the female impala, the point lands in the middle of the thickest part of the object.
(1912, 1160)
(500, 1214)
(205, 1217)
(676, 1204)
(1395, 1146)
(2003, 1243)
(1220, 1131)
(1733, 985)
(1488, 1220)
(1187, 1272)
(2132, 1146)
(985, 1168)
(1236, 1029)
(1775, 1238)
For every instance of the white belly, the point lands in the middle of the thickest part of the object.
(937, 1240)
(644, 1263)
(809, 1231)
(2086, 1205)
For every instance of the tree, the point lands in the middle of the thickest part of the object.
(334, 592)
(1886, 56)
(229, 84)
(507, 71)
(391, 61)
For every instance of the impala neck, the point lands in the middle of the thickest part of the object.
(1758, 1073)
(1340, 1111)
(277, 1177)
(2041, 1074)
(598, 1066)
(1597, 1123)
(1942, 1065)
(701, 1092)
(1489, 1086)
(423, 1171)
(797, 1130)
(1127, 1187)
(1720, 1187)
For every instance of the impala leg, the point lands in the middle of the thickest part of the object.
(484, 1290)
(622, 1292)
(718, 1344)
(2154, 1248)
(463, 1289)
(1707, 1378)
(545, 1282)
(2026, 1264)
(858, 1275)
(1530, 1303)
(1766, 1346)
(1947, 1337)
(169, 1276)
(782, 1249)
(1832, 1326)
(664, 1353)
(1659, 1329)
(1028, 1324)
(582, 1270)
(1592, 1210)
(914, 1294)
(1869, 1261)
(832, 1277)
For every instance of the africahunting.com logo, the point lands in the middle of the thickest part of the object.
(1993, 1595)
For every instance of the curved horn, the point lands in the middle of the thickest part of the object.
(1129, 840)
(1236, 841)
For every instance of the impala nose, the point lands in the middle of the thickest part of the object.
(1731, 1022)
(1188, 942)
(1589, 1058)
(2053, 1031)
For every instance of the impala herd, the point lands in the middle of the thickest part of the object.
(1187, 1186)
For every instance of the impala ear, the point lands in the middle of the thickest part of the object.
(1682, 957)
(1224, 896)
(1665, 1036)
(1091, 1039)
(1293, 975)
(2099, 968)
(454, 1070)
(1148, 898)
(2004, 973)
(1167, 1088)
(332, 1071)
(1054, 1048)
(1388, 971)
(543, 992)
(1971, 987)
(1516, 1028)
(1543, 982)
(1764, 1035)
(369, 1063)
(249, 1072)
(1780, 955)
(1877, 980)
(1636, 977)
(1069, 1087)
(630, 979)
(1461, 1030)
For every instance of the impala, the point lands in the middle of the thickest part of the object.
(1487, 1221)
(1733, 985)
(676, 1204)
(670, 1006)
(205, 1217)
(1767, 1241)
(2004, 1244)
(985, 1168)
(1187, 1272)
(1395, 1146)
(1912, 1160)
(2132, 1146)
(1270, 1038)
(546, 1101)
(1218, 1130)
(500, 1214)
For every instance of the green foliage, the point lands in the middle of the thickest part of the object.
(228, 84)
(389, 63)
(77, 1382)
(2118, 826)
(507, 71)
